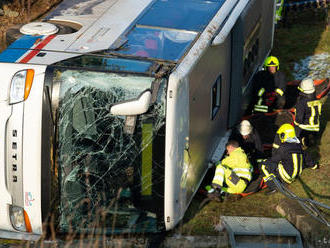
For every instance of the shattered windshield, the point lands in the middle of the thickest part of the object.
(109, 179)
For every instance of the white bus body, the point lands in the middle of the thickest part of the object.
(111, 111)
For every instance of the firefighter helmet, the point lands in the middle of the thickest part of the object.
(272, 61)
(285, 132)
(307, 86)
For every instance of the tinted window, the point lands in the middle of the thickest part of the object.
(156, 43)
(215, 97)
(184, 14)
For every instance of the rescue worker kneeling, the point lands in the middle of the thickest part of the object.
(234, 171)
(288, 161)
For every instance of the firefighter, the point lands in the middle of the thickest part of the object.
(288, 161)
(269, 87)
(249, 140)
(234, 172)
(308, 111)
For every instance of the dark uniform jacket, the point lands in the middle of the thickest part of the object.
(308, 111)
(270, 82)
(290, 160)
(252, 145)
(308, 160)
(265, 86)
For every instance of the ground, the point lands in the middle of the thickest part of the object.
(304, 34)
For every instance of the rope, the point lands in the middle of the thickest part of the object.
(309, 205)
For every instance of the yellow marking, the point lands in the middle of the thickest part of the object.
(301, 161)
(295, 165)
(146, 175)
(279, 91)
(284, 174)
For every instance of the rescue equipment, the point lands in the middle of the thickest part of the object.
(309, 205)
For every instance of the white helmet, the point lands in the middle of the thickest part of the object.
(307, 86)
(245, 127)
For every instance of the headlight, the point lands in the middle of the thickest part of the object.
(20, 86)
(19, 219)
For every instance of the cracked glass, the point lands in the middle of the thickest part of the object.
(109, 179)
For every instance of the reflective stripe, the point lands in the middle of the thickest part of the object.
(261, 108)
(312, 105)
(261, 92)
(319, 108)
(311, 118)
(279, 91)
(220, 170)
(263, 168)
(243, 172)
(276, 146)
(284, 175)
(267, 174)
(308, 127)
(314, 124)
(295, 165)
(246, 176)
(242, 169)
(218, 178)
(301, 162)
(219, 175)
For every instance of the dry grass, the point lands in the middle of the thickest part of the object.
(20, 12)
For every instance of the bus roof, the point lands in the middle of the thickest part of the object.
(154, 29)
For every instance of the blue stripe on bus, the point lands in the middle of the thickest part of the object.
(12, 55)
(18, 48)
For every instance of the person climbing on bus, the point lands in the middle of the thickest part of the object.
(269, 87)
(288, 161)
(308, 112)
(234, 172)
(249, 140)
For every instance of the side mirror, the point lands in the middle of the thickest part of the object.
(135, 107)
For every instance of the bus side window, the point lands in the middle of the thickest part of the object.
(215, 97)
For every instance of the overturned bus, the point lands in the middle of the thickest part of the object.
(111, 111)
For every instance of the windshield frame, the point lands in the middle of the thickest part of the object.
(54, 89)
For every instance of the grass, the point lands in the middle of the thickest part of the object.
(303, 35)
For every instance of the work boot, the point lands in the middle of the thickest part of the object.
(214, 195)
